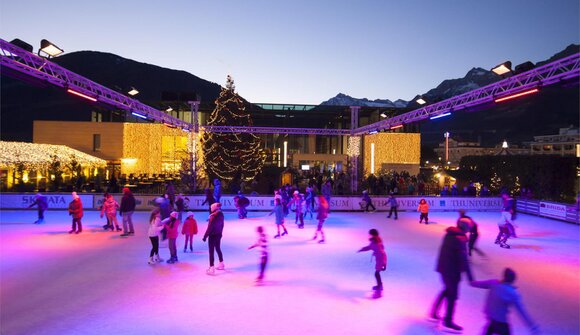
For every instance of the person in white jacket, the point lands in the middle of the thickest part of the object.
(155, 228)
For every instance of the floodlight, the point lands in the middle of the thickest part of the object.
(133, 91)
(21, 44)
(420, 101)
(169, 109)
(502, 68)
(49, 48)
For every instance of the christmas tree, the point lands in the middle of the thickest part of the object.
(231, 155)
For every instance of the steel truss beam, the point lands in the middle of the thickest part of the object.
(35, 66)
(554, 72)
(272, 130)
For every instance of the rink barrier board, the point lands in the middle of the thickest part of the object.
(553, 210)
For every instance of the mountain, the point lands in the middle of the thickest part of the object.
(23, 101)
(346, 100)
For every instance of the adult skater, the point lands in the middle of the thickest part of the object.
(279, 212)
(214, 232)
(75, 209)
(321, 216)
(451, 263)
(380, 255)
(180, 206)
(508, 212)
(502, 294)
(217, 190)
(369, 202)
(468, 225)
(327, 192)
(241, 203)
(41, 205)
(309, 199)
(394, 205)
(127, 208)
(262, 245)
(209, 199)
(504, 233)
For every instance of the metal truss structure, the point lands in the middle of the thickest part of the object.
(273, 130)
(38, 67)
(551, 73)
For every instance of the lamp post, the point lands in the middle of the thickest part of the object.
(194, 133)
(446, 134)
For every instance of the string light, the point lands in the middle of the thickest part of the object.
(353, 148)
(392, 148)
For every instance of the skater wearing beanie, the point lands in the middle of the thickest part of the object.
(126, 210)
(171, 225)
(424, 210)
(42, 205)
(502, 294)
(75, 209)
(214, 232)
(109, 209)
(279, 211)
(189, 229)
(155, 227)
(380, 255)
(298, 202)
(262, 245)
(321, 216)
(394, 204)
(451, 263)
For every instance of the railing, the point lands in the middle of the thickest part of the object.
(553, 210)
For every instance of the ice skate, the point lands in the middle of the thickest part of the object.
(450, 327)
(221, 266)
(301, 226)
(285, 233)
(71, 231)
(158, 259)
(78, 231)
(277, 236)
(118, 229)
(124, 235)
(184, 250)
(151, 261)
(170, 261)
(433, 318)
(378, 288)
(377, 294)
(321, 241)
(504, 245)
(210, 271)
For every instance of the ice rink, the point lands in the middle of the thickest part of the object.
(100, 283)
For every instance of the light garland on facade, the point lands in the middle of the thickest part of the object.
(392, 148)
(35, 156)
(353, 148)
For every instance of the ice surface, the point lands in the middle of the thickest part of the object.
(100, 283)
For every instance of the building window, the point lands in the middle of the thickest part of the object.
(96, 142)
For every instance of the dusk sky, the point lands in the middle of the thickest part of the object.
(306, 51)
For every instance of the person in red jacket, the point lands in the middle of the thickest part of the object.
(75, 209)
(380, 255)
(171, 225)
(189, 229)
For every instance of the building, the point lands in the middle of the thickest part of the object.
(459, 149)
(565, 143)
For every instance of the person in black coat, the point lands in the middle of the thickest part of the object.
(214, 231)
(451, 263)
(127, 208)
(42, 205)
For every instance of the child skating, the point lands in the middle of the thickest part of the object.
(109, 209)
(171, 225)
(368, 202)
(321, 217)
(380, 255)
(424, 210)
(189, 229)
(155, 227)
(298, 202)
(394, 205)
(262, 245)
(279, 211)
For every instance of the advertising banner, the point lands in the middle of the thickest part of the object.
(553, 210)
(60, 201)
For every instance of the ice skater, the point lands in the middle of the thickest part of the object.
(75, 209)
(189, 229)
(109, 209)
(380, 255)
(209, 199)
(214, 232)
(217, 190)
(126, 209)
(321, 217)
(279, 212)
(309, 200)
(424, 210)
(502, 294)
(468, 225)
(108, 225)
(504, 234)
(41, 205)
(508, 213)
(369, 202)
(171, 225)
(180, 206)
(241, 203)
(394, 205)
(451, 263)
(262, 245)
(298, 202)
(155, 227)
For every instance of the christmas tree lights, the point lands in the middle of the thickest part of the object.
(231, 155)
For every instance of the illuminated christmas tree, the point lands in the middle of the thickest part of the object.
(231, 155)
